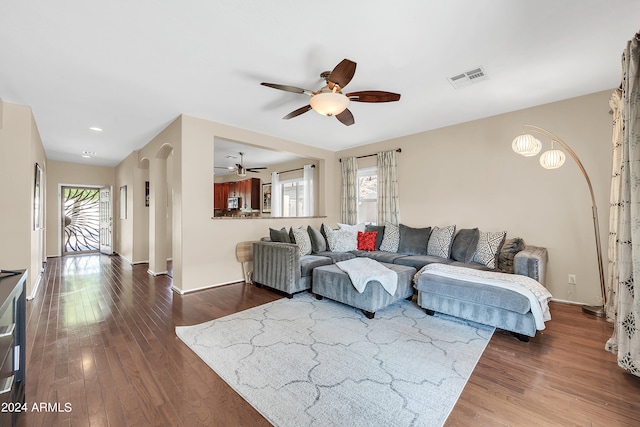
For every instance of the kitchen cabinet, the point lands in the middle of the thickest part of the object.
(251, 197)
(220, 195)
(248, 190)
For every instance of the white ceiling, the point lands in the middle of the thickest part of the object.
(131, 67)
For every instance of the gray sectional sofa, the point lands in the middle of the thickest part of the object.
(288, 267)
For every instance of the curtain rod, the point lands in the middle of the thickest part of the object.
(293, 170)
(398, 150)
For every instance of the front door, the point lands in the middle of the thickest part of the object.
(106, 217)
(80, 220)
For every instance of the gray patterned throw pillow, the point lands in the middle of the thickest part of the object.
(489, 245)
(440, 241)
(302, 239)
(391, 239)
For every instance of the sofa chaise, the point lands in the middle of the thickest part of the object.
(287, 264)
(282, 265)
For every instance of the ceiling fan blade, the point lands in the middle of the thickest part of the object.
(373, 96)
(342, 73)
(287, 88)
(297, 112)
(346, 118)
(255, 169)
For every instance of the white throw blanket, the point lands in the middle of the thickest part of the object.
(363, 270)
(537, 294)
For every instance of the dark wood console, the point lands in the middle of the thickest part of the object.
(12, 344)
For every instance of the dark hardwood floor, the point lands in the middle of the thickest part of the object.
(100, 337)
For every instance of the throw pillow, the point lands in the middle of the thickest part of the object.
(318, 242)
(464, 245)
(413, 241)
(279, 235)
(391, 238)
(355, 227)
(341, 240)
(323, 230)
(508, 252)
(440, 241)
(302, 239)
(489, 245)
(378, 229)
(367, 240)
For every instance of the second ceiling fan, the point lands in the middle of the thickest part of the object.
(329, 100)
(240, 169)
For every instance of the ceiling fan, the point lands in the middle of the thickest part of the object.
(239, 167)
(329, 100)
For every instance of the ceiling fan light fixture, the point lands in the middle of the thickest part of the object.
(329, 103)
(242, 172)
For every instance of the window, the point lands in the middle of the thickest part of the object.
(368, 195)
(293, 197)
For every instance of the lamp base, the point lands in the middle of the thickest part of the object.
(594, 310)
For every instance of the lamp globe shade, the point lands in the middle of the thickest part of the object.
(552, 159)
(526, 145)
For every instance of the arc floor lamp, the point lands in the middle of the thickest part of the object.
(528, 145)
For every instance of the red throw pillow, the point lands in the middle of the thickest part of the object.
(367, 240)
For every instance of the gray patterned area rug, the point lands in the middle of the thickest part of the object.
(304, 362)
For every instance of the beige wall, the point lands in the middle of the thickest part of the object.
(468, 175)
(63, 174)
(204, 248)
(20, 149)
(132, 241)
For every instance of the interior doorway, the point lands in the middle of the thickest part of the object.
(80, 220)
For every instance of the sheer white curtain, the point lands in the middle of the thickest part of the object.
(349, 190)
(388, 202)
(625, 341)
(276, 195)
(307, 178)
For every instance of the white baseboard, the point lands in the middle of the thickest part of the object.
(34, 292)
(567, 301)
(157, 273)
(183, 292)
(131, 262)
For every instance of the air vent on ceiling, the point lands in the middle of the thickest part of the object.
(468, 77)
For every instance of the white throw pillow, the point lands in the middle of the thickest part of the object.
(302, 240)
(391, 238)
(342, 240)
(356, 227)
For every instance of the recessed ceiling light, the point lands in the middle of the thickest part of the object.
(95, 129)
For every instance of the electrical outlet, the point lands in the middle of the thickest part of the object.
(572, 279)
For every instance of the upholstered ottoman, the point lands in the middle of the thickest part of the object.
(331, 282)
